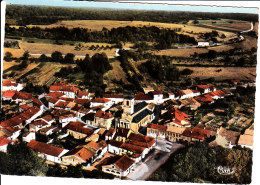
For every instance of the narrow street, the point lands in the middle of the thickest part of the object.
(154, 160)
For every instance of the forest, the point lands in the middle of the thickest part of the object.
(24, 15)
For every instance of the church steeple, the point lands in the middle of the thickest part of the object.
(128, 105)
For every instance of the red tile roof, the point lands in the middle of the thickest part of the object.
(81, 101)
(25, 107)
(61, 104)
(124, 163)
(22, 95)
(9, 94)
(81, 152)
(115, 143)
(104, 115)
(54, 94)
(9, 83)
(208, 86)
(101, 100)
(217, 93)
(36, 101)
(180, 116)
(140, 140)
(142, 96)
(156, 92)
(63, 87)
(134, 148)
(4, 141)
(45, 148)
(204, 98)
(78, 127)
(53, 100)
(158, 127)
(197, 133)
(113, 96)
(82, 93)
(39, 122)
(110, 132)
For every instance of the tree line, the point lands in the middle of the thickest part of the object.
(24, 15)
(163, 37)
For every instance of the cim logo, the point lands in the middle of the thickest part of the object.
(223, 170)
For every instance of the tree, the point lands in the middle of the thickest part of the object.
(21, 160)
(25, 56)
(69, 58)
(43, 58)
(186, 72)
(8, 56)
(57, 56)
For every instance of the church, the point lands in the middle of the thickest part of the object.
(135, 115)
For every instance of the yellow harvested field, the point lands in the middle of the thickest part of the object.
(47, 72)
(17, 53)
(27, 69)
(240, 73)
(40, 48)
(187, 52)
(109, 24)
(8, 64)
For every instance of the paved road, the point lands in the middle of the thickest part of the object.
(154, 160)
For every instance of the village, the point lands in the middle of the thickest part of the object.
(128, 136)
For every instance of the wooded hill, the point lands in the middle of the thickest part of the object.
(24, 15)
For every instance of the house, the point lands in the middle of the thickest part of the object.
(203, 44)
(205, 88)
(83, 94)
(11, 133)
(135, 115)
(78, 155)
(188, 93)
(106, 103)
(4, 142)
(28, 136)
(157, 97)
(121, 167)
(196, 134)
(179, 118)
(141, 97)
(47, 151)
(115, 98)
(225, 138)
(99, 148)
(78, 131)
(8, 95)
(22, 119)
(122, 134)
(191, 103)
(110, 134)
(174, 133)
(131, 150)
(156, 131)
(247, 139)
(205, 98)
(36, 125)
(147, 90)
(103, 119)
(142, 141)
(47, 130)
(89, 118)
(68, 91)
(171, 96)
(217, 94)
(10, 85)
